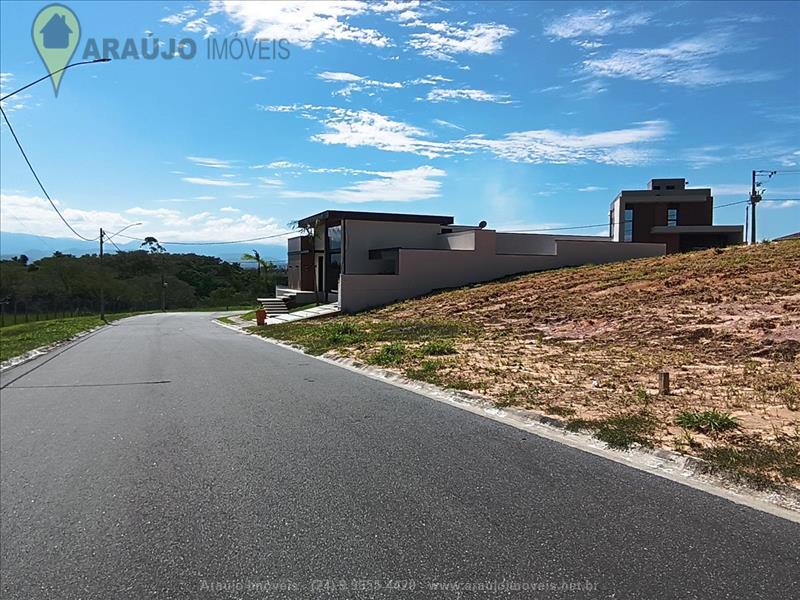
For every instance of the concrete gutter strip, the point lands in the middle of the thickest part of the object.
(681, 468)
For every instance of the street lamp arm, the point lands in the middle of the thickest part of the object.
(48, 76)
(123, 229)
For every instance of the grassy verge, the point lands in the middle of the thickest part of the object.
(19, 339)
(23, 337)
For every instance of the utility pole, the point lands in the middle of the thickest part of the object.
(102, 282)
(754, 199)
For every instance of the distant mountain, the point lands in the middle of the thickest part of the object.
(36, 247)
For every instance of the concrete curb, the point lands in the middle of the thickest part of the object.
(681, 468)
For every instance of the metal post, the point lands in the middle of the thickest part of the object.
(102, 283)
(663, 383)
(753, 200)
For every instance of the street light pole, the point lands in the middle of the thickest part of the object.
(102, 280)
(49, 75)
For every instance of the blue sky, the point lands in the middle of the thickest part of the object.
(526, 115)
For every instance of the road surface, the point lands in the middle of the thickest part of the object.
(168, 457)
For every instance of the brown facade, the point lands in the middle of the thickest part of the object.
(669, 213)
(648, 215)
(301, 263)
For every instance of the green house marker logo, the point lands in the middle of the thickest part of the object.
(56, 33)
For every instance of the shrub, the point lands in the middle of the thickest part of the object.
(709, 421)
(438, 348)
(391, 354)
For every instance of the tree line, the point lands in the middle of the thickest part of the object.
(147, 279)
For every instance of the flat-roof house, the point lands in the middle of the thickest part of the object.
(366, 259)
(669, 213)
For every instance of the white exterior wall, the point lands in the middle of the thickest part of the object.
(617, 211)
(422, 271)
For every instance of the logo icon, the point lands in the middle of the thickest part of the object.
(56, 33)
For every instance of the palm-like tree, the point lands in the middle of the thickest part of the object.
(260, 262)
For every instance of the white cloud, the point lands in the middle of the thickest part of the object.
(18, 101)
(592, 188)
(356, 83)
(338, 76)
(229, 209)
(778, 204)
(271, 182)
(180, 17)
(162, 213)
(214, 163)
(406, 185)
(214, 182)
(355, 128)
(200, 25)
(450, 95)
(622, 146)
(443, 123)
(443, 40)
(593, 23)
(303, 23)
(683, 62)
(34, 215)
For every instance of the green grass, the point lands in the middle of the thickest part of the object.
(430, 372)
(438, 348)
(391, 354)
(619, 431)
(321, 335)
(19, 339)
(763, 464)
(709, 421)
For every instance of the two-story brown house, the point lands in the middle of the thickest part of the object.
(669, 213)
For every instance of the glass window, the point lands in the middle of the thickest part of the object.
(672, 217)
(627, 226)
(335, 238)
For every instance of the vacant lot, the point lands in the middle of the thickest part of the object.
(587, 344)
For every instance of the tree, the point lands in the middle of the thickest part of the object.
(157, 249)
(260, 262)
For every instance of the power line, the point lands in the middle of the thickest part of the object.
(557, 228)
(266, 237)
(41, 186)
(108, 239)
(732, 204)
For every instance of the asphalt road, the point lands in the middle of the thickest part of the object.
(167, 457)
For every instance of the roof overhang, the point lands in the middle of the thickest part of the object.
(664, 196)
(355, 215)
(666, 229)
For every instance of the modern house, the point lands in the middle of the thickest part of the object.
(668, 213)
(364, 259)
